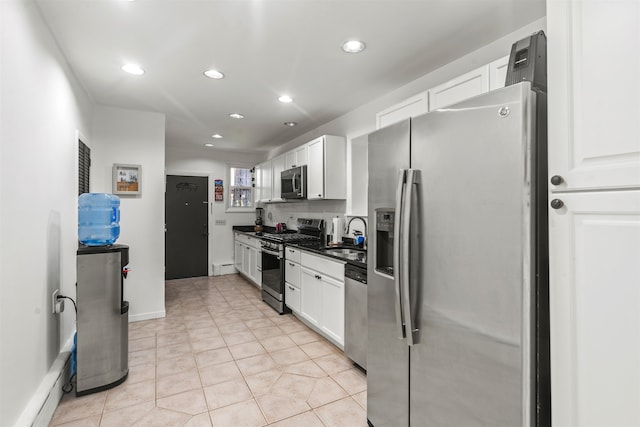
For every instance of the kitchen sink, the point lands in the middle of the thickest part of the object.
(344, 251)
(348, 253)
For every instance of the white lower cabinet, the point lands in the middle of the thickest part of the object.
(248, 253)
(322, 295)
(311, 296)
(333, 308)
(594, 265)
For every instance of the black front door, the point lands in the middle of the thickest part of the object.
(187, 229)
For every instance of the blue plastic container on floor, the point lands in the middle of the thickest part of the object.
(98, 219)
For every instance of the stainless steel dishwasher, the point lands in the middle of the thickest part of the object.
(355, 340)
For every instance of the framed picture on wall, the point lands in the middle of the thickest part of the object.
(127, 179)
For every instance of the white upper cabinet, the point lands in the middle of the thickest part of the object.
(327, 168)
(315, 170)
(594, 117)
(498, 72)
(301, 155)
(295, 157)
(278, 165)
(463, 87)
(264, 181)
(290, 159)
(411, 107)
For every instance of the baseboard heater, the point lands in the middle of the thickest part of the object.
(222, 269)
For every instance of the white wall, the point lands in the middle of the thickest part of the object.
(135, 137)
(214, 164)
(42, 106)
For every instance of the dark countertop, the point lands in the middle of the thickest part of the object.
(248, 229)
(315, 247)
(321, 249)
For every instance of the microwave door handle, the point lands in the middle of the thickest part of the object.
(397, 255)
(293, 183)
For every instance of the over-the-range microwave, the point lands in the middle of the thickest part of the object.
(294, 183)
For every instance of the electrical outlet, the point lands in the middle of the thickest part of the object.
(54, 300)
(221, 222)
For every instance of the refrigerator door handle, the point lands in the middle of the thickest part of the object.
(412, 180)
(397, 258)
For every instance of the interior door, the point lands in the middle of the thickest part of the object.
(187, 228)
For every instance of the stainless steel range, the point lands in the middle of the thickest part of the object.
(273, 259)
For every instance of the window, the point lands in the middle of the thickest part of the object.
(240, 188)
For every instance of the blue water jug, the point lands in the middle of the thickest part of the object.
(98, 219)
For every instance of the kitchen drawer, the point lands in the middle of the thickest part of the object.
(323, 265)
(292, 273)
(292, 254)
(292, 297)
(254, 242)
(251, 241)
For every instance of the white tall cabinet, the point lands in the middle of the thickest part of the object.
(594, 215)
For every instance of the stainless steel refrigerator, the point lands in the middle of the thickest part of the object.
(457, 299)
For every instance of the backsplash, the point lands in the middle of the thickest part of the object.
(289, 212)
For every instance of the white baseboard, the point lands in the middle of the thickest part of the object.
(43, 403)
(147, 316)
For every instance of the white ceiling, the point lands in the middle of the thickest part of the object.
(265, 48)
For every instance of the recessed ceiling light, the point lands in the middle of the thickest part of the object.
(285, 99)
(213, 74)
(290, 124)
(236, 116)
(208, 145)
(216, 135)
(353, 46)
(133, 69)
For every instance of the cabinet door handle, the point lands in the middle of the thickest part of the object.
(557, 203)
(557, 180)
(318, 277)
(292, 264)
(291, 287)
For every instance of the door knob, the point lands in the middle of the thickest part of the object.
(557, 180)
(557, 203)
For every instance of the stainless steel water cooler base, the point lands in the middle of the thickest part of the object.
(102, 320)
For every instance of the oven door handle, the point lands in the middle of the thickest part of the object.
(273, 253)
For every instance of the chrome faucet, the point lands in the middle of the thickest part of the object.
(365, 228)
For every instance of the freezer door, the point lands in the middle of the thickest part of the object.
(387, 355)
(472, 363)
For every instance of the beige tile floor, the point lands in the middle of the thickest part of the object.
(220, 358)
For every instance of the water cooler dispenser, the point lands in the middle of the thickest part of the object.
(103, 318)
